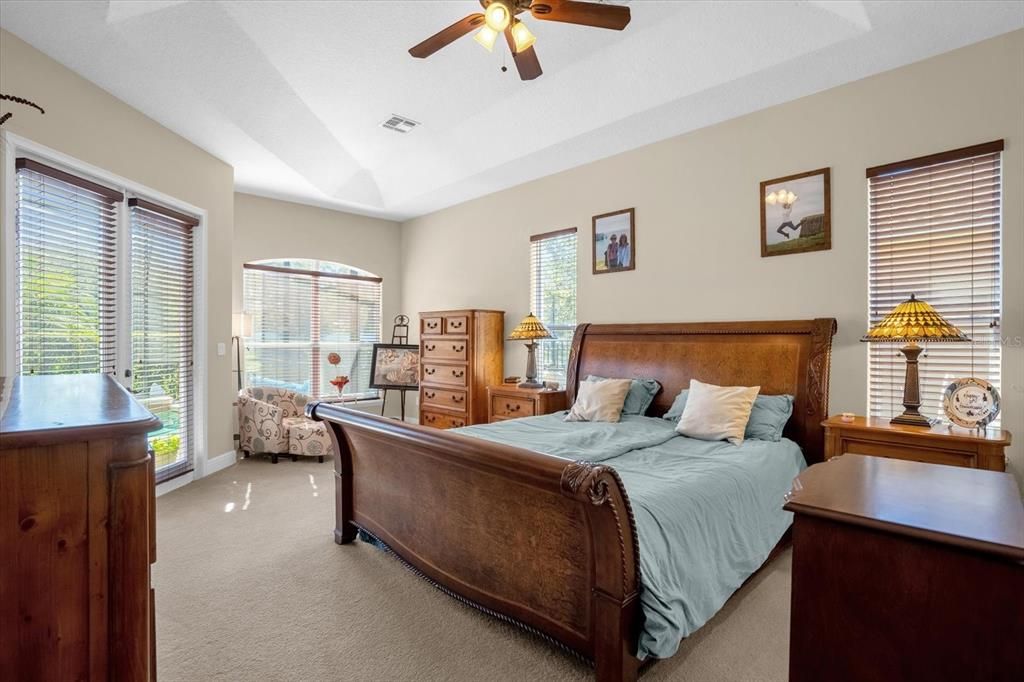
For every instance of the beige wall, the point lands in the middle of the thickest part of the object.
(87, 123)
(697, 215)
(267, 228)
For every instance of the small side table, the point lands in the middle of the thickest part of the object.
(939, 444)
(508, 401)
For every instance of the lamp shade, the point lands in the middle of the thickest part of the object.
(529, 329)
(914, 320)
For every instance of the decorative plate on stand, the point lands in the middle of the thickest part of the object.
(971, 403)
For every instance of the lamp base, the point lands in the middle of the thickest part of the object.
(909, 419)
(531, 384)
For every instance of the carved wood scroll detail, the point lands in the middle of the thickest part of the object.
(818, 366)
(595, 482)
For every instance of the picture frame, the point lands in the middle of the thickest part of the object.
(608, 230)
(395, 366)
(804, 222)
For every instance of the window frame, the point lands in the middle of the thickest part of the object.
(917, 164)
(315, 343)
(14, 146)
(536, 280)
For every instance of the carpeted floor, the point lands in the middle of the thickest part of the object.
(250, 586)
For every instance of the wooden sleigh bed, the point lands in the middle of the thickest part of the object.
(540, 541)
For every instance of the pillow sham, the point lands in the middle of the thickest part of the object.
(641, 394)
(768, 416)
(717, 412)
(599, 401)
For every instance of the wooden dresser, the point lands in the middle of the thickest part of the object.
(508, 401)
(461, 352)
(77, 530)
(939, 444)
(906, 571)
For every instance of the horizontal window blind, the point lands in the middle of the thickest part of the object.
(162, 333)
(301, 312)
(553, 298)
(935, 231)
(66, 247)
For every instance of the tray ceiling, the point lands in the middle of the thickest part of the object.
(293, 94)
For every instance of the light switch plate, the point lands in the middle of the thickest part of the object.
(221, 349)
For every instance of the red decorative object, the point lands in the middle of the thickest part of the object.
(333, 358)
(339, 382)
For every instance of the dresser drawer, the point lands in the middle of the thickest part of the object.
(509, 407)
(441, 421)
(432, 325)
(441, 397)
(444, 374)
(456, 324)
(909, 452)
(445, 349)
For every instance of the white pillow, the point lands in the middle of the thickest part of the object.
(717, 412)
(599, 401)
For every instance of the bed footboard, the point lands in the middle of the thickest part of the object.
(547, 543)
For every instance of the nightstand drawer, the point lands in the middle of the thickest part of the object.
(444, 349)
(441, 421)
(444, 398)
(908, 452)
(937, 444)
(444, 374)
(510, 407)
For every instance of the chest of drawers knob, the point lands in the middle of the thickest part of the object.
(457, 373)
(512, 408)
(429, 370)
(430, 346)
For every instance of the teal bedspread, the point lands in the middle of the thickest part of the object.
(707, 513)
(593, 441)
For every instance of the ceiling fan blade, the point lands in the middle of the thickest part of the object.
(526, 61)
(447, 36)
(615, 17)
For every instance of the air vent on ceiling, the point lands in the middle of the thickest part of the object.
(400, 124)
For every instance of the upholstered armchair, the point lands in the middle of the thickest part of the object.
(272, 421)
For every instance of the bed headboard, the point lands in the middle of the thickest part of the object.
(781, 357)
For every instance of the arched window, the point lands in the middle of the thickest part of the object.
(301, 311)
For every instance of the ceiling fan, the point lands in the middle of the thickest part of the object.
(499, 16)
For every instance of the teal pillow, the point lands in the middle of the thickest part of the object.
(768, 416)
(641, 394)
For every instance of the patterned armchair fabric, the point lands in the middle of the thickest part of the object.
(273, 420)
(262, 412)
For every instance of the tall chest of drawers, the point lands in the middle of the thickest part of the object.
(461, 353)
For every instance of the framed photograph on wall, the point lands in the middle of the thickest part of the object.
(796, 213)
(395, 366)
(614, 242)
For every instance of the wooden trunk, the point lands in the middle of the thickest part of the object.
(77, 531)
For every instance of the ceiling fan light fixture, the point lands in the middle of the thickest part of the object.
(497, 16)
(486, 37)
(524, 40)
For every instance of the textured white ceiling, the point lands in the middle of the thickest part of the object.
(292, 93)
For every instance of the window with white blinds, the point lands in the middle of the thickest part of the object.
(935, 231)
(303, 310)
(65, 258)
(162, 343)
(553, 299)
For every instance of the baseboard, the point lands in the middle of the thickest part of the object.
(219, 462)
(174, 483)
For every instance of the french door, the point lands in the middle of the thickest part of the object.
(106, 285)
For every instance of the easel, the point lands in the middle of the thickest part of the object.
(399, 334)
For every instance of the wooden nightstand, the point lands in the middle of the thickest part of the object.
(508, 401)
(939, 444)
